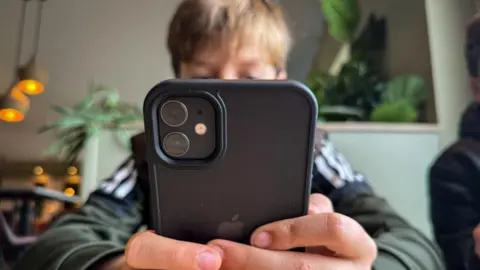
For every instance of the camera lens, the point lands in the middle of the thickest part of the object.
(174, 113)
(176, 144)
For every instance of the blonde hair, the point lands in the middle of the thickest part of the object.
(199, 23)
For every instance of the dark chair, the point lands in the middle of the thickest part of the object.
(12, 244)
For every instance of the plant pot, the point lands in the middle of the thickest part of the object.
(341, 113)
(90, 167)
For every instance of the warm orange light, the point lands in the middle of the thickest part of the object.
(69, 192)
(31, 87)
(17, 94)
(72, 170)
(11, 115)
(38, 170)
(73, 179)
(41, 179)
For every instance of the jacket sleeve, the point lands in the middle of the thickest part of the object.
(96, 232)
(400, 246)
(453, 189)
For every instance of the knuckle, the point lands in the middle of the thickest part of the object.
(335, 224)
(302, 265)
(286, 232)
(322, 202)
(178, 256)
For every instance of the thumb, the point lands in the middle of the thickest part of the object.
(319, 204)
(476, 237)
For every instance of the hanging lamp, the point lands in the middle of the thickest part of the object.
(11, 109)
(14, 106)
(31, 77)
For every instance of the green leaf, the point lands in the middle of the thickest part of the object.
(396, 112)
(63, 110)
(409, 88)
(62, 124)
(127, 119)
(46, 128)
(343, 18)
(86, 103)
(74, 151)
(102, 89)
(92, 130)
(123, 137)
(54, 148)
(102, 118)
(111, 100)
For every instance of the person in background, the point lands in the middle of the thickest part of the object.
(348, 226)
(455, 177)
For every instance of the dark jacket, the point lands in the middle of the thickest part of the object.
(455, 194)
(100, 229)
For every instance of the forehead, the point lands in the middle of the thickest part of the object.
(220, 53)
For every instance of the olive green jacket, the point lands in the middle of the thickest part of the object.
(100, 229)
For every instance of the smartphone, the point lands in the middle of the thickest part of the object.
(226, 157)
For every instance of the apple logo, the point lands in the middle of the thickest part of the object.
(231, 230)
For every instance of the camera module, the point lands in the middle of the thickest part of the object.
(176, 144)
(174, 113)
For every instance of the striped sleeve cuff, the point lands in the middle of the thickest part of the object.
(122, 181)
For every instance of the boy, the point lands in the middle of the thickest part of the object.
(454, 185)
(236, 39)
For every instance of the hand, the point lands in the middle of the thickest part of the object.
(147, 250)
(476, 237)
(333, 241)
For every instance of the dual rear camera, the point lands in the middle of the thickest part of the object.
(187, 127)
(174, 114)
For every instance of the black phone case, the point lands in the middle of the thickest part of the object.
(261, 171)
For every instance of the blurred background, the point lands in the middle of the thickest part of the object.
(410, 49)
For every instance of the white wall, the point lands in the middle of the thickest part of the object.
(395, 161)
(117, 42)
(447, 21)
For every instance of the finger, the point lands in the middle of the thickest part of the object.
(476, 237)
(338, 233)
(476, 233)
(319, 204)
(242, 257)
(147, 250)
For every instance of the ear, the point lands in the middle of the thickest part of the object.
(282, 75)
(473, 84)
(475, 88)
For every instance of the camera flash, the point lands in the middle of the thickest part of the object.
(200, 129)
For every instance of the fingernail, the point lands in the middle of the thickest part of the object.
(206, 261)
(217, 249)
(313, 209)
(262, 240)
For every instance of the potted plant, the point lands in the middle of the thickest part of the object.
(100, 110)
(356, 89)
(361, 90)
(401, 99)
